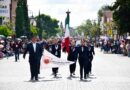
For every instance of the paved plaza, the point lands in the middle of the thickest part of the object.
(110, 72)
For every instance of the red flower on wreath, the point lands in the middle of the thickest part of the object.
(47, 60)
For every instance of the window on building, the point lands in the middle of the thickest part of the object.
(0, 20)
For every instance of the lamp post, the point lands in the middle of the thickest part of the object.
(62, 30)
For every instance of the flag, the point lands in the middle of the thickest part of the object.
(67, 33)
(67, 40)
(48, 60)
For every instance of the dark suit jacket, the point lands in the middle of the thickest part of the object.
(91, 51)
(73, 54)
(16, 47)
(56, 52)
(33, 56)
(83, 55)
(49, 47)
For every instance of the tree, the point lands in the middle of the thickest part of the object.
(47, 25)
(85, 27)
(19, 20)
(22, 21)
(34, 30)
(90, 28)
(121, 15)
(26, 22)
(4, 30)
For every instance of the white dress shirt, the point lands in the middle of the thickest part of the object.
(82, 49)
(34, 47)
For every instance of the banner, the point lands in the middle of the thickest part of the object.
(48, 60)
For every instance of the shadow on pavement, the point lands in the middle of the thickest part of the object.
(75, 76)
(32, 81)
(69, 78)
(92, 77)
(48, 80)
(85, 80)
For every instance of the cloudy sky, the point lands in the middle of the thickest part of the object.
(80, 9)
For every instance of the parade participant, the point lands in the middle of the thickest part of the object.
(128, 48)
(91, 53)
(72, 56)
(83, 60)
(35, 53)
(42, 44)
(16, 49)
(56, 50)
(48, 46)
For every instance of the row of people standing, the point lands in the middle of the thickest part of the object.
(84, 53)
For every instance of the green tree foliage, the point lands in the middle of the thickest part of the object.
(85, 27)
(89, 28)
(19, 20)
(4, 30)
(22, 21)
(34, 30)
(26, 19)
(47, 25)
(121, 15)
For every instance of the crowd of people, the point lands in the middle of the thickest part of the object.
(120, 46)
(10, 47)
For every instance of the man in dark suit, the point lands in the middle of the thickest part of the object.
(56, 50)
(91, 53)
(72, 56)
(16, 49)
(35, 53)
(43, 44)
(83, 59)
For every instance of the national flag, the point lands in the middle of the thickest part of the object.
(67, 40)
(67, 32)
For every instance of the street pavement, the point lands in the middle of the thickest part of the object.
(110, 72)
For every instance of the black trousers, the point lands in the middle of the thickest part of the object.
(39, 64)
(55, 70)
(83, 68)
(34, 69)
(72, 68)
(16, 56)
(90, 64)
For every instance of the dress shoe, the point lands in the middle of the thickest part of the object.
(73, 73)
(70, 75)
(36, 79)
(81, 79)
(55, 75)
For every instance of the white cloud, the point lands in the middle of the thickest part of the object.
(80, 9)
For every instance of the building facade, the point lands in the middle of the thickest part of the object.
(4, 11)
(13, 11)
(106, 22)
